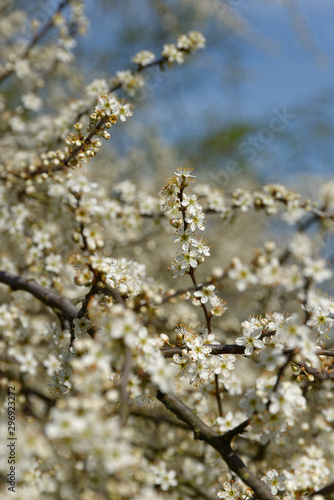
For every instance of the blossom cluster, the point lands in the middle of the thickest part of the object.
(83, 332)
(133, 81)
(274, 335)
(192, 218)
(194, 248)
(185, 44)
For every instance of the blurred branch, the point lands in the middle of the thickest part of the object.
(325, 491)
(36, 38)
(48, 297)
(157, 417)
(200, 492)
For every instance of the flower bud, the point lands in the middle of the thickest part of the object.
(164, 338)
(175, 222)
(270, 246)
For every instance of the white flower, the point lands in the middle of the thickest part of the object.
(271, 358)
(172, 54)
(327, 195)
(224, 364)
(197, 40)
(300, 246)
(288, 399)
(242, 274)
(80, 184)
(191, 203)
(183, 363)
(63, 424)
(230, 421)
(242, 199)
(271, 273)
(292, 278)
(198, 349)
(192, 41)
(107, 104)
(195, 220)
(129, 81)
(97, 87)
(292, 333)
(22, 68)
(183, 42)
(317, 270)
(17, 124)
(185, 238)
(143, 58)
(124, 111)
(28, 363)
(206, 293)
(163, 477)
(52, 364)
(162, 374)
(188, 259)
(201, 247)
(53, 263)
(275, 481)
(274, 321)
(184, 173)
(294, 212)
(81, 326)
(250, 340)
(31, 101)
(251, 402)
(320, 318)
(42, 239)
(176, 267)
(230, 491)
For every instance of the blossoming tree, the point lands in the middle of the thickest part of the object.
(112, 387)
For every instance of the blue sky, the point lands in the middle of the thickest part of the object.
(234, 79)
(293, 73)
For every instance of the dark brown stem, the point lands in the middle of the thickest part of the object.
(281, 371)
(48, 297)
(325, 491)
(169, 352)
(197, 287)
(167, 297)
(220, 443)
(218, 397)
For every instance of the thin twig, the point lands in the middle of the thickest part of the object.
(124, 411)
(36, 38)
(218, 397)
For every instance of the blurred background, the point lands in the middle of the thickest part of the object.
(261, 58)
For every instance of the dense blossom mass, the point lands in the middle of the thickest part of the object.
(109, 367)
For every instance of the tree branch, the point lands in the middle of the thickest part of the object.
(48, 297)
(169, 352)
(326, 490)
(220, 443)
